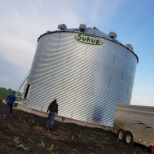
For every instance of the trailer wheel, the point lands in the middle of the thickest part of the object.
(129, 138)
(121, 135)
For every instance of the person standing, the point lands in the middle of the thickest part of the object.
(52, 111)
(10, 101)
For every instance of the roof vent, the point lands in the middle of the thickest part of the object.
(82, 27)
(47, 32)
(62, 27)
(95, 28)
(129, 46)
(112, 35)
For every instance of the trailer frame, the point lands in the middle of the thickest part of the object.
(134, 123)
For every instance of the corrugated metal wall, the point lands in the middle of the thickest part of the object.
(87, 80)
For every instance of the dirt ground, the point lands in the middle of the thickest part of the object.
(25, 133)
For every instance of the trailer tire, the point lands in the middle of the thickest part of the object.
(129, 138)
(121, 135)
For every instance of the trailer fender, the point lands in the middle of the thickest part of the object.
(152, 148)
(152, 144)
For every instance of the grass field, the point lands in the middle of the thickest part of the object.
(5, 92)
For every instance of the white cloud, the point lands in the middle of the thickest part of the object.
(4, 79)
(21, 24)
(15, 51)
(102, 12)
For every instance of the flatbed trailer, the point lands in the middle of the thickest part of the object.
(133, 123)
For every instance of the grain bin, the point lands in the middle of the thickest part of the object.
(88, 71)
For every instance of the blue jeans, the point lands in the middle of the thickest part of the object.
(7, 107)
(50, 120)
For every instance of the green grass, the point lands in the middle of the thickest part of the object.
(5, 92)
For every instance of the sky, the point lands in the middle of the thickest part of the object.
(23, 21)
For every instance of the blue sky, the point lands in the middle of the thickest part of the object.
(22, 22)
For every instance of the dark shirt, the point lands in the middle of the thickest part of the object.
(53, 107)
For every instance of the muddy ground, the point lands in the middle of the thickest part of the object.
(25, 133)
